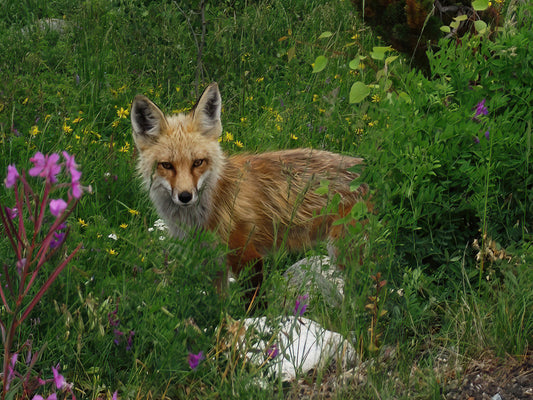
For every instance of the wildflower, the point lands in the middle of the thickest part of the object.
(133, 212)
(129, 340)
(82, 222)
(53, 396)
(11, 213)
(272, 351)
(115, 123)
(480, 109)
(315, 97)
(194, 359)
(57, 206)
(77, 119)
(261, 79)
(375, 98)
(178, 89)
(12, 176)
(243, 119)
(123, 225)
(59, 380)
(11, 368)
(20, 265)
(228, 137)
(58, 238)
(293, 137)
(112, 236)
(238, 143)
(114, 395)
(122, 113)
(45, 166)
(112, 252)
(476, 140)
(118, 333)
(66, 128)
(301, 305)
(34, 130)
(487, 135)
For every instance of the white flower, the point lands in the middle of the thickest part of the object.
(113, 236)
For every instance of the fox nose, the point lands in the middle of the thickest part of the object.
(185, 197)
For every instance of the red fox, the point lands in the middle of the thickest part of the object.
(252, 201)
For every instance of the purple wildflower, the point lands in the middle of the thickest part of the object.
(57, 206)
(59, 380)
(301, 305)
(53, 396)
(11, 213)
(487, 135)
(481, 109)
(20, 265)
(194, 359)
(74, 174)
(11, 369)
(12, 176)
(476, 140)
(45, 166)
(129, 341)
(115, 395)
(272, 351)
(118, 334)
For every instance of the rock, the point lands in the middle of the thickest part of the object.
(317, 275)
(293, 346)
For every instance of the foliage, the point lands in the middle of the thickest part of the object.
(136, 311)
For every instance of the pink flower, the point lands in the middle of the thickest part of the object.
(12, 176)
(45, 166)
(59, 380)
(114, 395)
(194, 359)
(301, 305)
(11, 213)
(53, 396)
(74, 174)
(57, 206)
(272, 351)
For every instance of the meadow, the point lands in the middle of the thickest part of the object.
(447, 272)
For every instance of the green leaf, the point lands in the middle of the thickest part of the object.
(480, 5)
(455, 24)
(445, 28)
(378, 53)
(390, 59)
(291, 53)
(354, 64)
(325, 35)
(358, 92)
(480, 26)
(320, 64)
(462, 17)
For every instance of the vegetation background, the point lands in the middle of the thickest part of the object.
(453, 189)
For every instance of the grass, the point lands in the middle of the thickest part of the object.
(436, 189)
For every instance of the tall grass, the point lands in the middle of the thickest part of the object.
(436, 189)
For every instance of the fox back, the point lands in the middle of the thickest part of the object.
(253, 201)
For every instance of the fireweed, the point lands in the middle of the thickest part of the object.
(36, 228)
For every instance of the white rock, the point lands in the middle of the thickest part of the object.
(302, 345)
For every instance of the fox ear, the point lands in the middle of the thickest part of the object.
(206, 112)
(147, 119)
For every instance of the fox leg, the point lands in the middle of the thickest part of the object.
(244, 254)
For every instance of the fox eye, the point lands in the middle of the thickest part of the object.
(166, 165)
(197, 163)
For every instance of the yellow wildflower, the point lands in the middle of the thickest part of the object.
(375, 98)
(122, 113)
(66, 128)
(115, 123)
(315, 97)
(293, 137)
(123, 225)
(228, 137)
(25, 101)
(77, 119)
(112, 252)
(243, 119)
(34, 130)
(261, 79)
(238, 143)
(133, 212)
(82, 222)
(178, 89)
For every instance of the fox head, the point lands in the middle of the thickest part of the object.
(179, 155)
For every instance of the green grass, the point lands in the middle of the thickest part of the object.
(435, 188)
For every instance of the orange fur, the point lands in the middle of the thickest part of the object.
(254, 202)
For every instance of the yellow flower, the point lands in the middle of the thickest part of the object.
(238, 143)
(122, 113)
(133, 212)
(47, 117)
(243, 119)
(77, 119)
(178, 89)
(278, 127)
(375, 98)
(123, 226)
(293, 137)
(66, 128)
(228, 137)
(125, 148)
(251, 98)
(261, 79)
(82, 222)
(279, 118)
(115, 123)
(112, 252)
(34, 130)
(25, 101)
(355, 37)
(315, 97)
